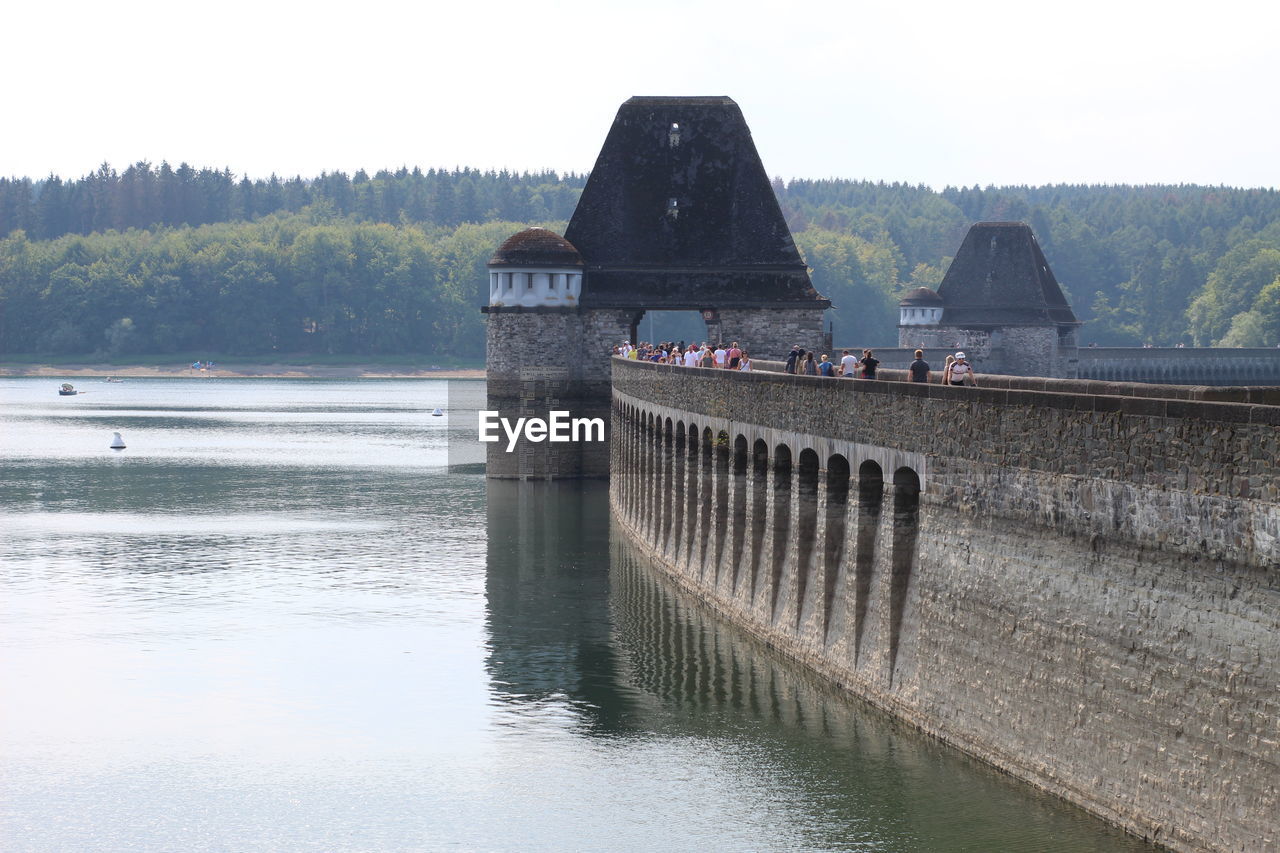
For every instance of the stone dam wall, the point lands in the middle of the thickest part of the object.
(1080, 586)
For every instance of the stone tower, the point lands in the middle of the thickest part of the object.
(1000, 303)
(678, 214)
(543, 354)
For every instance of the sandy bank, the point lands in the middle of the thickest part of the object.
(233, 371)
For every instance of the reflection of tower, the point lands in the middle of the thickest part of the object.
(547, 585)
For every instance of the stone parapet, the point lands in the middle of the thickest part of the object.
(1182, 365)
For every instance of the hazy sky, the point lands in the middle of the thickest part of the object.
(935, 93)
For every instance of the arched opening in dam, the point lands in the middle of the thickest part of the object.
(837, 514)
(870, 498)
(806, 526)
(721, 512)
(741, 461)
(709, 508)
(906, 529)
(666, 480)
(781, 530)
(693, 499)
(759, 506)
(678, 496)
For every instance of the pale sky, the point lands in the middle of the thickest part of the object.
(939, 93)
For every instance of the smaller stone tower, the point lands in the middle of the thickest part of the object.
(534, 355)
(1000, 303)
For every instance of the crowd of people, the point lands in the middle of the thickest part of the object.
(956, 371)
(692, 355)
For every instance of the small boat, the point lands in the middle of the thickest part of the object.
(114, 379)
(437, 413)
(67, 390)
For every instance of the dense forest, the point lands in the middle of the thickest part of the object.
(163, 260)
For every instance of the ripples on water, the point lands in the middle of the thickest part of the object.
(278, 622)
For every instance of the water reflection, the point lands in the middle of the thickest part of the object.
(548, 607)
(627, 654)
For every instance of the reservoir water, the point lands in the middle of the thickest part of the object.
(278, 621)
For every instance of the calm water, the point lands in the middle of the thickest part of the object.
(278, 622)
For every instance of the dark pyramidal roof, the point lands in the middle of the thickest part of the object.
(536, 247)
(678, 212)
(1000, 277)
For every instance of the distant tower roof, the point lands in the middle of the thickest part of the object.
(536, 247)
(921, 297)
(679, 211)
(1000, 277)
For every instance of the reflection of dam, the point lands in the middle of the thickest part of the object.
(858, 773)
(577, 619)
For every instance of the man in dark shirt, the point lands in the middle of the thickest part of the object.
(919, 368)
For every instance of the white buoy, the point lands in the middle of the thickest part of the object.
(437, 413)
(117, 443)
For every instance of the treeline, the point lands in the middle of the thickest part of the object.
(143, 196)
(303, 283)
(183, 260)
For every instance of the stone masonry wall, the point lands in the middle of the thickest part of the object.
(1091, 602)
(1012, 350)
(771, 332)
(550, 359)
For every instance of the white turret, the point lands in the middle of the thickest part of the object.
(535, 268)
(920, 307)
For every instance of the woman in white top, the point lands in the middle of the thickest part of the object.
(745, 362)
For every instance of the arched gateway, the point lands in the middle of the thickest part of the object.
(678, 214)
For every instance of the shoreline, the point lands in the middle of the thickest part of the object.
(242, 371)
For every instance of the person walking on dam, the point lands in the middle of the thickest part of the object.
(793, 360)
(919, 368)
(962, 372)
(734, 355)
(869, 364)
